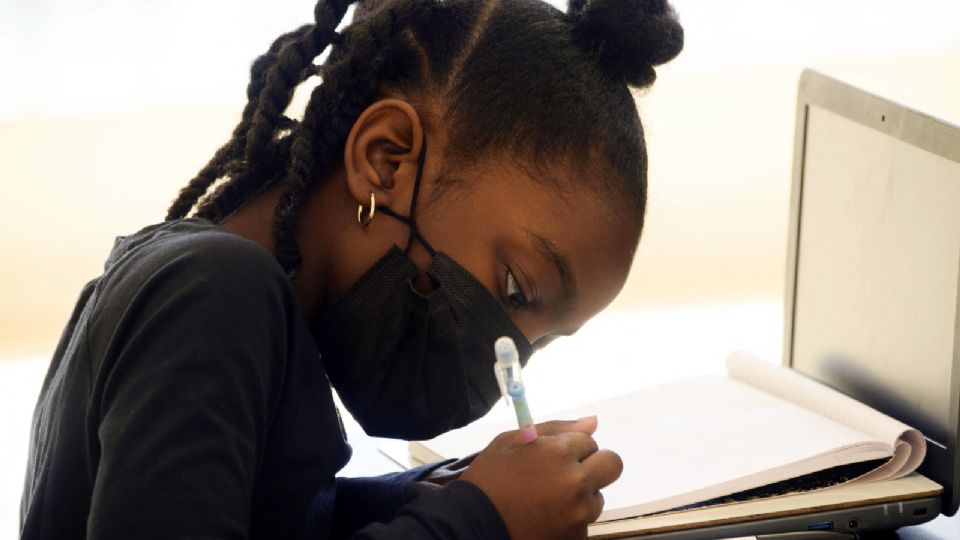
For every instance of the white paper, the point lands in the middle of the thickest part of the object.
(705, 437)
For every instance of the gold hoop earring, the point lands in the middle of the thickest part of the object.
(364, 221)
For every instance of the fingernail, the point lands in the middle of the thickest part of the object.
(585, 418)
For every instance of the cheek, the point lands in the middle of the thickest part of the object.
(349, 268)
(479, 255)
(472, 247)
(481, 266)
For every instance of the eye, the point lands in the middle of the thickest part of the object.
(514, 295)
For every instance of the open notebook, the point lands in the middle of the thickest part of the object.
(762, 431)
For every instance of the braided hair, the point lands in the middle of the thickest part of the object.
(508, 75)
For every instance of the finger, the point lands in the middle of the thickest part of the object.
(508, 439)
(579, 445)
(584, 425)
(596, 506)
(602, 468)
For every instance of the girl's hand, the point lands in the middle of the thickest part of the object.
(549, 488)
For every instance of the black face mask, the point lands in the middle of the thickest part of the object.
(411, 366)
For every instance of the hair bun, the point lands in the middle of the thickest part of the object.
(627, 37)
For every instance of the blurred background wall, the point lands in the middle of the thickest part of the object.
(108, 107)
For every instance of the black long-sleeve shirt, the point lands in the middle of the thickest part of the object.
(186, 398)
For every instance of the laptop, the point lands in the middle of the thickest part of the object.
(872, 308)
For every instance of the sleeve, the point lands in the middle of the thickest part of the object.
(361, 501)
(398, 506)
(456, 511)
(184, 397)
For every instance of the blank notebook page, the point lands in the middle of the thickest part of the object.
(680, 439)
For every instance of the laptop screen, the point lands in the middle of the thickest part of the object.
(878, 265)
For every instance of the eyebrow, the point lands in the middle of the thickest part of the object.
(548, 250)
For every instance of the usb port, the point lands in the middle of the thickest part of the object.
(825, 526)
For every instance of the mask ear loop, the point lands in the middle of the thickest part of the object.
(409, 220)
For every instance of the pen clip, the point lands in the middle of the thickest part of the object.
(506, 366)
(502, 376)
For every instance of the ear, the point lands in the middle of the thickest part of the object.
(380, 156)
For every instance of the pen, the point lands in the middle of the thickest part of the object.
(507, 370)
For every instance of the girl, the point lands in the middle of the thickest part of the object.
(467, 169)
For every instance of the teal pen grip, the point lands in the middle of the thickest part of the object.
(523, 412)
(528, 431)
